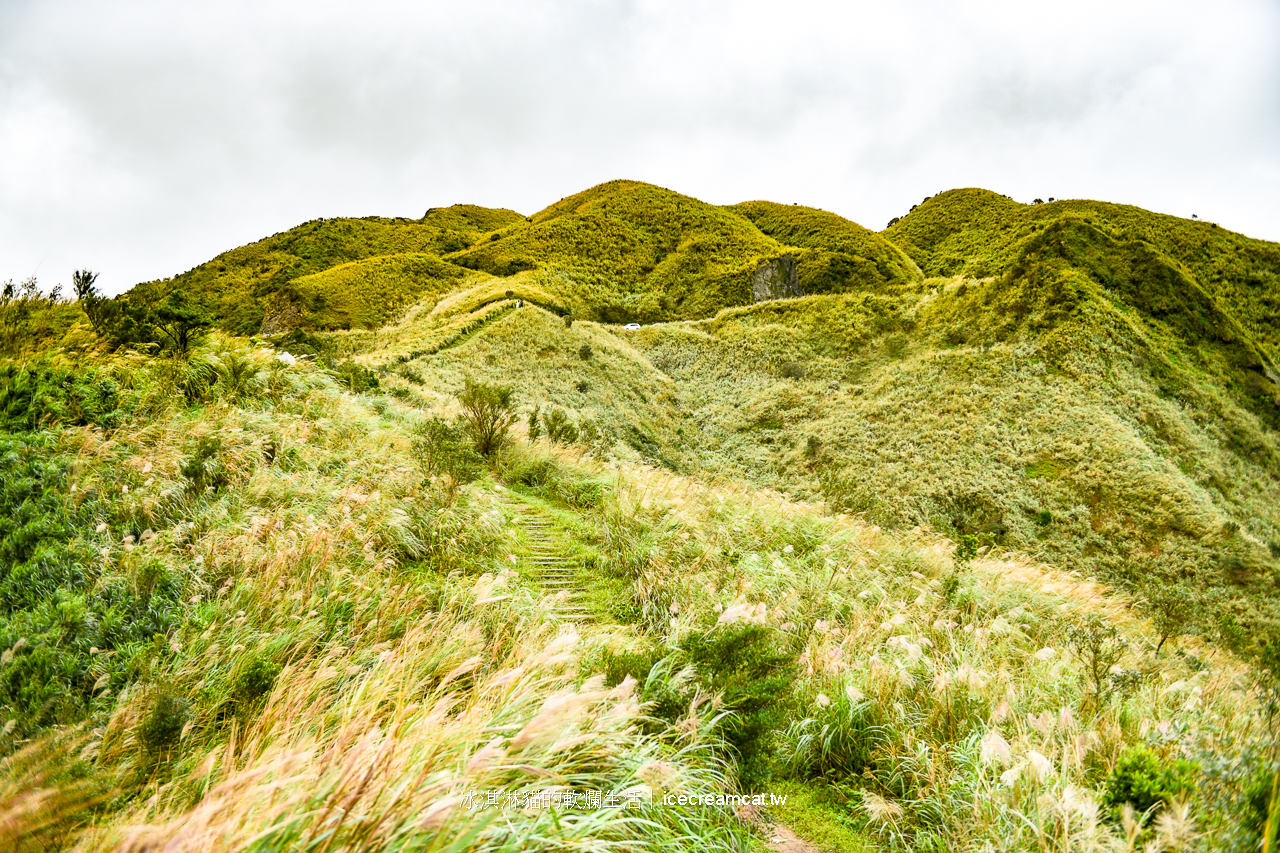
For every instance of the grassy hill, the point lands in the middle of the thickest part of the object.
(974, 541)
(238, 287)
(623, 251)
(260, 612)
(977, 234)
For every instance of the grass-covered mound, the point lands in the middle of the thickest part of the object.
(660, 254)
(839, 252)
(366, 294)
(237, 287)
(977, 233)
(612, 396)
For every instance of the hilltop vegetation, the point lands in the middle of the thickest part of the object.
(976, 234)
(238, 287)
(965, 533)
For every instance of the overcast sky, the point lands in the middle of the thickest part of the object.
(140, 138)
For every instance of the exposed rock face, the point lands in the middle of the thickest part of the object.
(775, 279)
(281, 317)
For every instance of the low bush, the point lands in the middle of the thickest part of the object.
(1146, 782)
(355, 377)
(31, 397)
(253, 679)
(558, 427)
(162, 726)
(70, 631)
(746, 664)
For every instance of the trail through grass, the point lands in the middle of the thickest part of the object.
(546, 554)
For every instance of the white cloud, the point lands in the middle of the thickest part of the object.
(142, 137)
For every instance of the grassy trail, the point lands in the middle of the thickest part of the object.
(549, 559)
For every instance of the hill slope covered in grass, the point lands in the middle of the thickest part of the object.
(1088, 398)
(284, 614)
(976, 234)
(240, 286)
(968, 547)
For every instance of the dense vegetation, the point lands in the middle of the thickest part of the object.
(973, 547)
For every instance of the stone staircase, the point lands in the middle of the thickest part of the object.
(548, 554)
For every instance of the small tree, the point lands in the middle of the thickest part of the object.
(179, 323)
(82, 283)
(443, 450)
(1173, 608)
(489, 411)
(1099, 647)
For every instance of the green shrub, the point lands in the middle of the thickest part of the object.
(55, 606)
(792, 370)
(442, 448)
(1262, 802)
(203, 469)
(254, 678)
(488, 412)
(558, 427)
(355, 377)
(1146, 782)
(746, 664)
(749, 666)
(31, 397)
(584, 352)
(545, 476)
(162, 725)
(535, 425)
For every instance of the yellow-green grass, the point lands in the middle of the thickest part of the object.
(977, 233)
(471, 219)
(236, 285)
(816, 815)
(409, 665)
(614, 389)
(664, 254)
(833, 240)
(369, 293)
(1068, 447)
(415, 666)
(1051, 427)
(987, 735)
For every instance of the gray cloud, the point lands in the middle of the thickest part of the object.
(141, 138)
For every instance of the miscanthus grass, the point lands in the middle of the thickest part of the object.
(948, 705)
(356, 665)
(357, 659)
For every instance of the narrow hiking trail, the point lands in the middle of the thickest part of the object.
(549, 554)
(547, 550)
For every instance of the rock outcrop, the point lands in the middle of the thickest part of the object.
(775, 279)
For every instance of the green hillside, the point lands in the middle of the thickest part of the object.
(838, 250)
(385, 535)
(976, 234)
(237, 286)
(661, 255)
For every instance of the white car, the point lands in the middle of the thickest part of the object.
(632, 326)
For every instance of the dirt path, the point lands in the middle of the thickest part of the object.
(778, 836)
